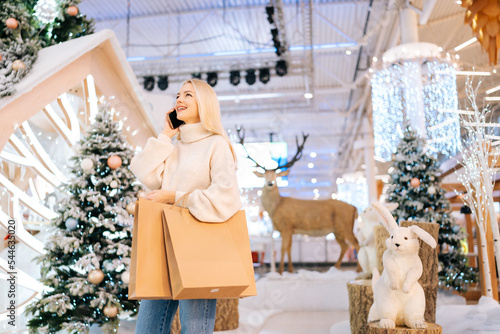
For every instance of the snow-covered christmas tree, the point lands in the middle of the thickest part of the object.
(86, 267)
(28, 25)
(19, 43)
(415, 186)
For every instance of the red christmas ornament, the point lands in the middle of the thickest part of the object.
(415, 182)
(114, 162)
(72, 10)
(0, 57)
(11, 23)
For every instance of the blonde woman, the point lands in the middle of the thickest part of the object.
(202, 163)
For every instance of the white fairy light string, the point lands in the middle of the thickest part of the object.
(412, 88)
(479, 155)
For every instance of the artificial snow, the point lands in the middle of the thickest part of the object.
(310, 302)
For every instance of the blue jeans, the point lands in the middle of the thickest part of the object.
(156, 316)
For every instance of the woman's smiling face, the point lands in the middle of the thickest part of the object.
(186, 105)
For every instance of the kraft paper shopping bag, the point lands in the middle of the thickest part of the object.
(203, 258)
(149, 270)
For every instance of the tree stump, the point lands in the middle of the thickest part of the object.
(176, 324)
(429, 280)
(373, 328)
(226, 316)
(360, 301)
(380, 234)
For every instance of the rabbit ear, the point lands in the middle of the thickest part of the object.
(424, 235)
(391, 206)
(387, 219)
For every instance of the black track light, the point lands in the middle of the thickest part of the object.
(196, 75)
(212, 78)
(234, 78)
(250, 77)
(270, 13)
(264, 75)
(163, 82)
(281, 67)
(149, 83)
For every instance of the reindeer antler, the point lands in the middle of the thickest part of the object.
(298, 155)
(241, 136)
(300, 147)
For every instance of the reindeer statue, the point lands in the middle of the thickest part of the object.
(295, 216)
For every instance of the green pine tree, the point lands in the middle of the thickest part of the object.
(66, 27)
(21, 45)
(17, 45)
(92, 236)
(427, 203)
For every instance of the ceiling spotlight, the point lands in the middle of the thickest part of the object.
(250, 77)
(281, 68)
(196, 75)
(163, 82)
(149, 83)
(234, 78)
(264, 75)
(212, 78)
(270, 13)
(308, 95)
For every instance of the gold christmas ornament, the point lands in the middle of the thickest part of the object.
(415, 182)
(130, 208)
(96, 276)
(114, 162)
(0, 57)
(483, 17)
(141, 194)
(11, 23)
(72, 10)
(18, 65)
(110, 311)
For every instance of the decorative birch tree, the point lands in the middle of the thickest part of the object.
(479, 156)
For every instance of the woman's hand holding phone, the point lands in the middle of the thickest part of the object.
(168, 130)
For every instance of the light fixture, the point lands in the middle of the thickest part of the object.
(310, 165)
(410, 90)
(492, 90)
(212, 78)
(250, 77)
(163, 82)
(281, 67)
(313, 154)
(348, 52)
(465, 44)
(270, 13)
(234, 78)
(264, 75)
(472, 73)
(149, 83)
(308, 95)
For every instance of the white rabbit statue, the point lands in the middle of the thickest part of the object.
(367, 255)
(398, 298)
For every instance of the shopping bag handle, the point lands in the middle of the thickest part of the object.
(184, 199)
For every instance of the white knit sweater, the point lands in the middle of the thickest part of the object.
(200, 163)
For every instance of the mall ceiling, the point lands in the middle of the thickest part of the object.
(329, 47)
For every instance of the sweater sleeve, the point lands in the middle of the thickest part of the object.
(221, 200)
(149, 164)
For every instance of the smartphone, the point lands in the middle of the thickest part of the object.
(174, 121)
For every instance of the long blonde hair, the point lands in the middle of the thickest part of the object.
(209, 109)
